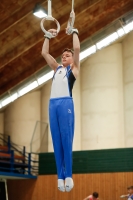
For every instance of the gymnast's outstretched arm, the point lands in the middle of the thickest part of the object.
(76, 48)
(45, 53)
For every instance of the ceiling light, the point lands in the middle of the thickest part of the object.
(40, 12)
(88, 52)
(6, 101)
(46, 77)
(128, 27)
(14, 96)
(28, 88)
(120, 32)
(107, 40)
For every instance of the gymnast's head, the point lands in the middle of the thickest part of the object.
(67, 57)
(130, 191)
(95, 195)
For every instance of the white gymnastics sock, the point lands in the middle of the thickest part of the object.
(61, 186)
(69, 184)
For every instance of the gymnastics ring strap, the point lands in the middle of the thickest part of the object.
(49, 17)
(71, 20)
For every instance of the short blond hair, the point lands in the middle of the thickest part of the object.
(69, 50)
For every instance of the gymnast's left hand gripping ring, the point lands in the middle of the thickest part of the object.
(53, 19)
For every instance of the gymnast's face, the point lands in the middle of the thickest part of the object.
(67, 58)
(130, 191)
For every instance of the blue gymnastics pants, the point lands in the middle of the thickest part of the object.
(61, 116)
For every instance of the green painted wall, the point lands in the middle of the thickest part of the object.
(93, 161)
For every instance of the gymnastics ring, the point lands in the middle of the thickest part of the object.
(49, 17)
(52, 19)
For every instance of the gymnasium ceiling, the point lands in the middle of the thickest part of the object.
(21, 38)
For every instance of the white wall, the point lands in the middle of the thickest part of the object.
(77, 108)
(45, 95)
(20, 118)
(128, 88)
(1, 127)
(2, 122)
(102, 99)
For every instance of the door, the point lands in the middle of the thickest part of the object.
(2, 190)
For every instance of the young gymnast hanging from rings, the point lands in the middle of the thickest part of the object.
(61, 108)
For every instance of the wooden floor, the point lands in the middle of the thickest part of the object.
(109, 186)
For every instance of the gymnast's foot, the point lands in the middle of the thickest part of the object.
(61, 186)
(69, 184)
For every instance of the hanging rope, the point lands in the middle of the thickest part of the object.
(73, 5)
